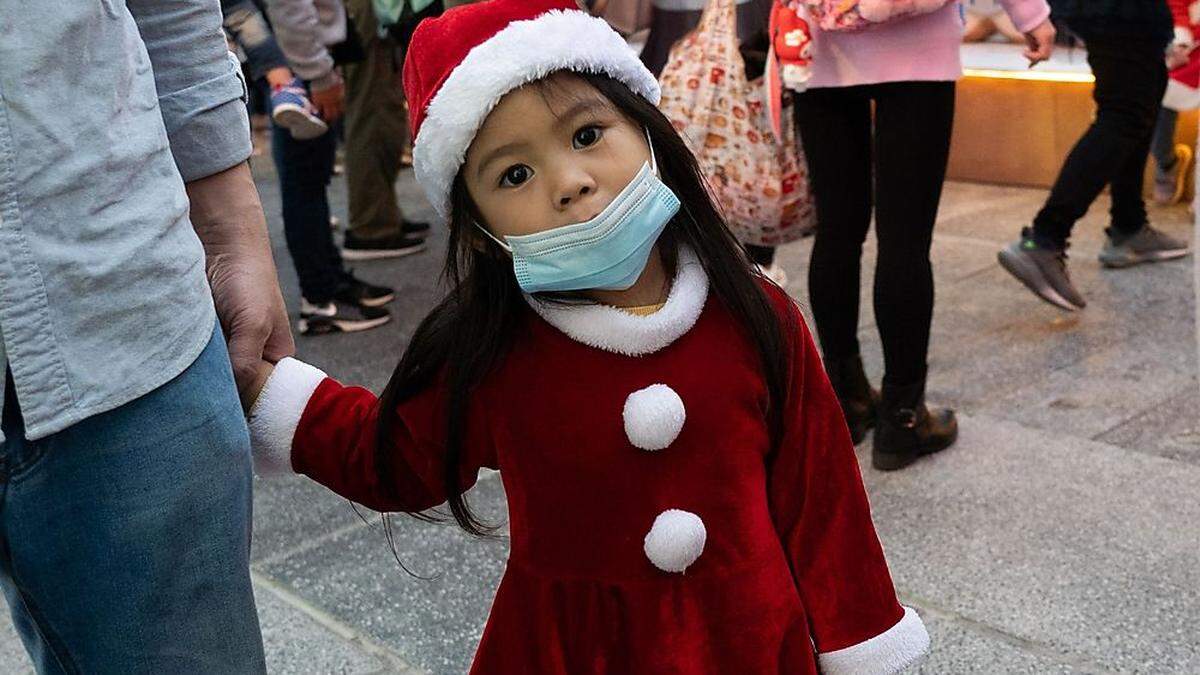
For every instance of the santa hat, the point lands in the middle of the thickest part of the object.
(460, 64)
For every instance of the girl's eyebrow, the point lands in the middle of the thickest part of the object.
(590, 105)
(498, 152)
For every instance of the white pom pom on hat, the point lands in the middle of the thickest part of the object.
(653, 416)
(676, 540)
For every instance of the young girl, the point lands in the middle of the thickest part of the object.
(683, 495)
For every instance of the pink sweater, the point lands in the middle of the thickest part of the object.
(923, 48)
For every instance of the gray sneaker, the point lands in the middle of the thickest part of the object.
(1148, 245)
(1043, 270)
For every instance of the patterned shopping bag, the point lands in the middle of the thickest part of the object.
(757, 177)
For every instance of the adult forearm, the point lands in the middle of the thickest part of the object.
(229, 220)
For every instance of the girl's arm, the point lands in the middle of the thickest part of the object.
(308, 423)
(1026, 14)
(821, 514)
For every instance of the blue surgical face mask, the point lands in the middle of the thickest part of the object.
(608, 252)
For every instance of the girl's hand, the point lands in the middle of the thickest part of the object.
(1040, 43)
(250, 392)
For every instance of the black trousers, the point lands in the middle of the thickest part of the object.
(894, 164)
(1131, 78)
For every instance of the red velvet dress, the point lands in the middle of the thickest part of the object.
(784, 572)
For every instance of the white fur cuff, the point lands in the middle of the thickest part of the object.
(889, 652)
(276, 414)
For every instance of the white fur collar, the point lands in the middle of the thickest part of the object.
(620, 332)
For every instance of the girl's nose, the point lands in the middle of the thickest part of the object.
(575, 190)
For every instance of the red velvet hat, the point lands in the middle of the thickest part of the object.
(460, 64)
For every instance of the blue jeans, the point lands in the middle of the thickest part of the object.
(304, 169)
(125, 539)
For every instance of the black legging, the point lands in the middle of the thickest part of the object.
(907, 153)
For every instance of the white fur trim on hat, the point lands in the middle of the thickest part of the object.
(653, 417)
(621, 332)
(276, 414)
(675, 540)
(889, 652)
(524, 51)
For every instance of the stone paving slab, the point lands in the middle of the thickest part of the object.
(1081, 549)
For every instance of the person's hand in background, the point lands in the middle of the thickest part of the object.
(1040, 43)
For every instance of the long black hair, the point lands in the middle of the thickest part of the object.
(469, 332)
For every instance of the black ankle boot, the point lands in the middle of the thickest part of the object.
(908, 430)
(860, 403)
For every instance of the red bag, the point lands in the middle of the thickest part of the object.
(757, 177)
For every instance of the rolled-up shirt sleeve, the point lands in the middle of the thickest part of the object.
(200, 87)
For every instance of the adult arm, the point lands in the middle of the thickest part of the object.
(1032, 18)
(202, 97)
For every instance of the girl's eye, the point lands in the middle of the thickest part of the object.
(586, 136)
(515, 175)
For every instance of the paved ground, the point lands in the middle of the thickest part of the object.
(1059, 535)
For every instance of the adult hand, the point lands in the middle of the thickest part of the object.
(1040, 43)
(229, 220)
(329, 96)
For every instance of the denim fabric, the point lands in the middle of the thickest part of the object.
(304, 169)
(106, 108)
(125, 539)
(249, 29)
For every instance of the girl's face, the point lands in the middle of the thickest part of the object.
(549, 156)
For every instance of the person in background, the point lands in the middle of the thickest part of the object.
(875, 123)
(313, 34)
(290, 107)
(1126, 43)
(1172, 161)
(375, 141)
(670, 20)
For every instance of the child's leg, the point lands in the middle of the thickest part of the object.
(835, 127)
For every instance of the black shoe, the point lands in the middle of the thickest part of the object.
(355, 291)
(414, 228)
(338, 318)
(908, 430)
(860, 403)
(1043, 270)
(395, 246)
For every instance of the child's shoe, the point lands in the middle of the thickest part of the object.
(291, 109)
(908, 430)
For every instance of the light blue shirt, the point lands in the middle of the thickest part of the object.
(106, 108)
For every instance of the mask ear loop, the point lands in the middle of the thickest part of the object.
(491, 236)
(653, 161)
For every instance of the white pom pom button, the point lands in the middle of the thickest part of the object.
(654, 417)
(675, 540)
